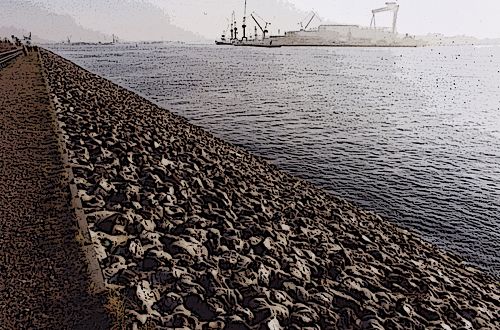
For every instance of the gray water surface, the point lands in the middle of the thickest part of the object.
(412, 134)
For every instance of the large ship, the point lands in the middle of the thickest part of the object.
(334, 35)
(251, 40)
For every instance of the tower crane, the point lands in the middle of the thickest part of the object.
(244, 25)
(389, 6)
(232, 20)
(264, 30)
(235, 28)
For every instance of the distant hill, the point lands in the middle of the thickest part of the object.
(46, 25)
(130, 20)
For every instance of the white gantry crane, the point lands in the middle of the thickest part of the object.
(389, 6)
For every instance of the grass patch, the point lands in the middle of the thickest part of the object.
(115, 306)
(79, 238)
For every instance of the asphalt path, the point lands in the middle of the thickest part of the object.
(44, 282)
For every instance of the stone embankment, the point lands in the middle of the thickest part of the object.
(200, 234)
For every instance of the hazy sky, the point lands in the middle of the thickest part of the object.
(479, 18)
(129, 19)
(172, 19)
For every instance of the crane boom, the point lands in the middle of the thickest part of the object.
(313, 15)
(380, 10)
(307, 25)
(264, 30)
(260, 27)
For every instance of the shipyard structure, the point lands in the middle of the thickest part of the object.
(345, 35)
(335, 35)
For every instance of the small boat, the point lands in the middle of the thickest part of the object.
(222, 43)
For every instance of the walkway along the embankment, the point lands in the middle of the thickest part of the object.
(45, 282)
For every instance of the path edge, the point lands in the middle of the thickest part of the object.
(97, 283)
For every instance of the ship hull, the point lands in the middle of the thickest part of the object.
(346, 36)
(264, 44)
(249, 43)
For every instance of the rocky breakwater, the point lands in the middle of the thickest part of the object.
(6, 46)
(199, 234)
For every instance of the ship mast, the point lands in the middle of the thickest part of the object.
(244, 25)
(235, 29)
(232, 26)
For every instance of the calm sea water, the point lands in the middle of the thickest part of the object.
(413, 134)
